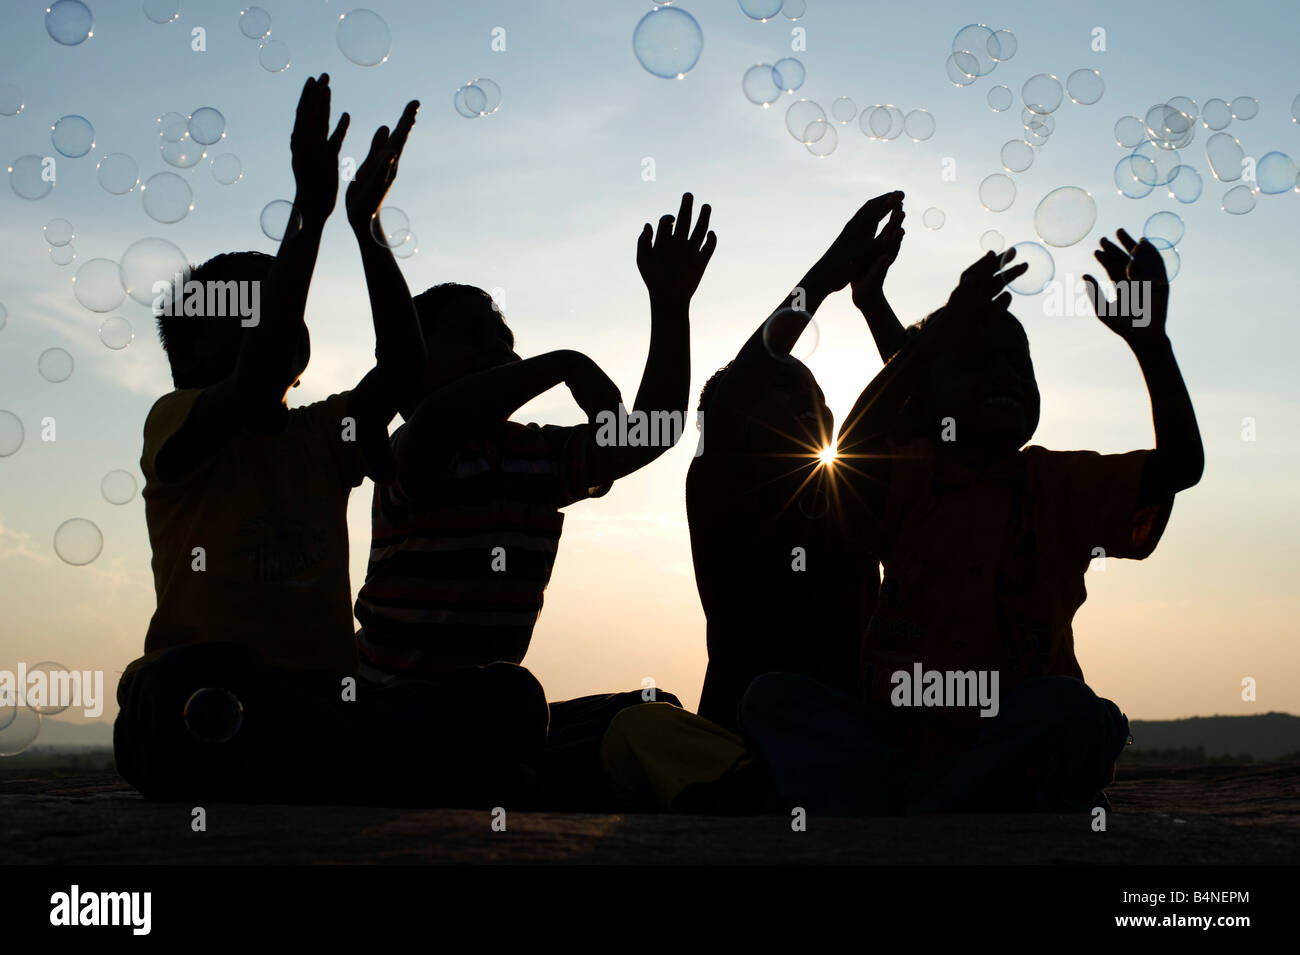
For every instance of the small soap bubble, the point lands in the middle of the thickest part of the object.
(919, 125)
(821, 138)
(213, 715)
(390, 226)
(44, 694)
(997, 192)
(1275, 173)
(1002, 45)
(1042, 93)
(255, 23)
(227, 169)
(1238, 200)
(1042, 268)
(147, 262)
(98, 285)
(794, 9)
(207, 126)
(1135, 176)
(1065, 216)
(1164, 230)
(72, 136)
(11, 99)
(843, 110)
(761, 10)
(280, 220)
(780, 325)
(1244, 107)
(162, 11)
(1173, 262)
(78, 541)
(668, 42)
(1184, 104)
(800, 116)
(63, 254)
(875, 121)
(974, 39)
(897, 121)
(55, 365)
(173, 126)
(992, 241)
(11, 433)
(19, 727)
(1017, 155)
(1000, 99)
(933, 218)
(116, 332)
(483, 95)
(1043, 122)
(274, 56)
(760, 85)
(962, 68)
(1185, 184)
(1163, 163)
(790, 74)
(69, 22)
(59, 232)
(408, 248)
(118, 487)
(1085, 86)
(1216, 114)
(1129, 132)
(1224, 154)
(462, 104)
(364, 37)
(27, 177)
(185, 153)
(167, 198)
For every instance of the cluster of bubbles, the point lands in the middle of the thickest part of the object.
(101, 285)
(59, 235)
(764, 83)
(976, 52)
(273, 55)
(20, 725)
(480, 97)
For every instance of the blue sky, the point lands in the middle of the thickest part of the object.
(544, 200)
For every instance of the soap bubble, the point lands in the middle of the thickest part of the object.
(1000, 98)
(185, 153)
(227, 169)
(97, 285)
(280, 220)
(27, 177)
(274, 56)
(821, 138)
(1224, 154)
(1135, 176)
(462, 106)
(1216, 114)
(962, 68)
(1039, 121)
(46, 697)
(11, 433)
(78, 541)
(213, 715)
(843, 110)
(919, 125)
(761, 10)
(1164, 230)
(1169, 128)
(1238, 200)
(147, 262)
(1163, 163)
(59, 232)
(55, 365)
(1129, 132)
(1042, 268)
(802, 114)
(390, 226)
(1042, 93)
(72, 136)
(1185, 184)
(1037, 134)
(782, 321)
(1173, 262)
(69, 22)
(167, 198)
(11, 99)
(19, 727)
(760, 85)
(1017, 155)
(1275, 173)
(790, 74)
(997, 192)
(1002, 45)
(992, 241)
(162, 11)
(794, 9)
(207, 126)
(1065, 216)
(483, 96)
(408, 248)
(1244, 107)
(668, 42)
(364, 37)
(875, 121)
(116, 332)
(1085, 86)
(974, 39)
(118, 487)
(933, 218)
(1184, 104)
(62, 254)
(173, 126)
(255, 23)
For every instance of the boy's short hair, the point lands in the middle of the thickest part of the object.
(431, 305)
(710, 386)
(179, 334)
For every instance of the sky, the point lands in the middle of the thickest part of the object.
(542, 202)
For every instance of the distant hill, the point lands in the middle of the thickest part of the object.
(1263, 737)
(56, 732)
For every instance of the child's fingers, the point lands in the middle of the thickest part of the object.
(1003, 301)
(1099, 301)
(1126, 240)
(710, 243)
(403, 128)
(701, 227)
(644, 241)
(1112, 259)
(1149, 260)
(665, 229)
(684, 216)
(336, 141)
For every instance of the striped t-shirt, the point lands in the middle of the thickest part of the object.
(458, 569)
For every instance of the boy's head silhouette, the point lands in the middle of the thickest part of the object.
(203, 349)
(464, 333)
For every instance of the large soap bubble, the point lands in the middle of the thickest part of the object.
(1135, 176)
(1275, 173)
(148, 262)
(1017, 155)
(919, 125)
(364, 38)
(1065, 216)
(1042, 93)
(118, 173)
(975, 39)
(761, 10)
(1185, 184)
(167, 198)
(1216, 114)
(1042, 268)
(759, 85)
(98, 285)
(55, 365)
(668, 42)
(997, 192)
(1164, 229)
(72, 136)
(28, 178)
(800, 116)
(1238, 200)
(1225, 156)
(1129, 132)
(69, 22)
(1085, 86)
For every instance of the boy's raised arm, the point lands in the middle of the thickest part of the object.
(1138, 315)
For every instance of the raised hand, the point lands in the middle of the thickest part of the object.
(376, 174)
(857, 247)
(869, 283)
(1141, 303)
(982, 287)
(673, 261)
(316, 151)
